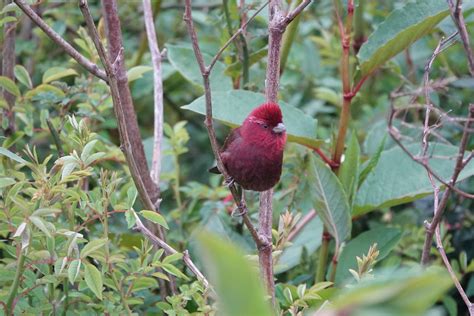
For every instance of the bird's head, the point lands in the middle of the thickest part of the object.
(264, 123)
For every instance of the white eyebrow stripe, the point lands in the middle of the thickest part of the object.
(253, 119)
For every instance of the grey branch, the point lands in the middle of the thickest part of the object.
(157, 90)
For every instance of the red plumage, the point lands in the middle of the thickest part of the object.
(253, 153)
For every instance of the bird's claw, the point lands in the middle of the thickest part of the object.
(229, 182)
(238, 211)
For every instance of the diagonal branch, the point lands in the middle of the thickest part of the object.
(55, 37)
(170, 250)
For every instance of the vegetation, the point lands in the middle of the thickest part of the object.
(106, 203)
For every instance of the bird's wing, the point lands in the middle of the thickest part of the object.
(233, 135)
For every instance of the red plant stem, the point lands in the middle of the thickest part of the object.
(346, 81)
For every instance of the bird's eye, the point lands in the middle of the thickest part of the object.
(265, 126)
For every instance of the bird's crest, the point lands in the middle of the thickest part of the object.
(268, 112)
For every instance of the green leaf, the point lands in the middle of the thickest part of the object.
(12, 156)
(6, 20)
(5, 182)
(86, 151)
(56, 73)
(137, 72)
(349, 171)
(183, 59)
(46, 211)
(38, 222)
(155, 217)
(237, 284)
(232, 107)
(172, 258)
(236, 68)
(394, 292)
(399, 30)
(9, 85)
(397, 179)
(329, 200)
(93, 279)
(373, 161)
(130, 218)
(308, 238)
(174, 271)
(386, 239)
(45, 89)
(92, 246)
(23, 76)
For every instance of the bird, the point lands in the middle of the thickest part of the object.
(253, 153)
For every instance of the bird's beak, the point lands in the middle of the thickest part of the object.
(280, 128)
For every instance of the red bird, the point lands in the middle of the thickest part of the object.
(253, 153)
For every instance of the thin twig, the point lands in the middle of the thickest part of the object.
(170, 250)
(157, 90)
(233, 37)
(71, 51)
(301, 224)
(458, 18)
(439, 206)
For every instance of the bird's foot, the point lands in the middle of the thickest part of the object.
(239, 211)
(229, 182)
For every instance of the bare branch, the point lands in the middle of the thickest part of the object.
(7, 70)
(293, 14)
(71, 51)
(301, 224)
(458, 18)
(170, 250)
(157, 91)
(439, 206)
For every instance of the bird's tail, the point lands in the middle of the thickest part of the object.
(214, 170)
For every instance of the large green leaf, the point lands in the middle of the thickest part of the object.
(93, 279)
(9, 85)
(232, 107)
(12, 156)
(385, 237)
(349, 171)
(55, 73)
(183, 60)
(237, 284)
(329, 200)
(399, 30)
(308, 238)
(397, 179)
(393, 293)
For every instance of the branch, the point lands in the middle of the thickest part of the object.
(123, 119)
(157, 91)
(170, 250)
(205, 72)
(301, 224)
(458, 18)
(133, 145)
(439, 206)
(55, 37)
(8, 64)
